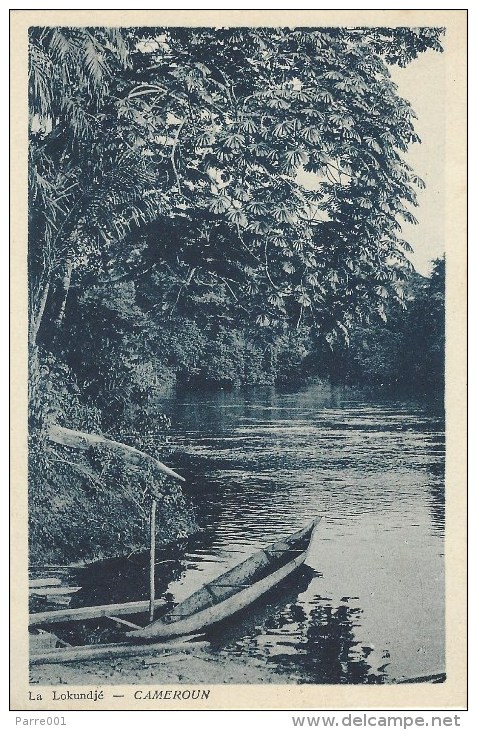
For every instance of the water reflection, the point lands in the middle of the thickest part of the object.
(332, 654)
(312, 642)
(437, 504)
(259, 464)
(121, 580)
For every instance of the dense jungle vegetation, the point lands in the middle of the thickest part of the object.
(175, 241)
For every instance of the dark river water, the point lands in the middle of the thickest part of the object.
(260, 464)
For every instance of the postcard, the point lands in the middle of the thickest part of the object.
(239, 359)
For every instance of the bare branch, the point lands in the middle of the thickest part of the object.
(82, 440)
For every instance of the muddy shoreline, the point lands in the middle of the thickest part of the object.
(172, 668)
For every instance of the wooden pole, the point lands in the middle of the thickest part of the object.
(152, 561)
(63, 615)
(108, 651)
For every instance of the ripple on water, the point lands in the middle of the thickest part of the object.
(371, 607)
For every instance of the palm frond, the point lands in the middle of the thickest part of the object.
(95, 67)
(117, 44)
(60, 46)
(39, 81)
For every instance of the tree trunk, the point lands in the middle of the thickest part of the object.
(152, 562)
(66, 288)
(36, 321)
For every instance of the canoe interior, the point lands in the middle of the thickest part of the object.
(258, 566)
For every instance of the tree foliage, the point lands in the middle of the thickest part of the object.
(205, 135)
(406, 353)
(204, 205)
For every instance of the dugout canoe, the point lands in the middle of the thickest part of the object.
(234, 590)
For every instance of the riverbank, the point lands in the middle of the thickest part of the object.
(90, 498)
(176, 667)
(173, 667)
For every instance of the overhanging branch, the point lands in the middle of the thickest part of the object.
(82, 440)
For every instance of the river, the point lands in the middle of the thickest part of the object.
(261, 464)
